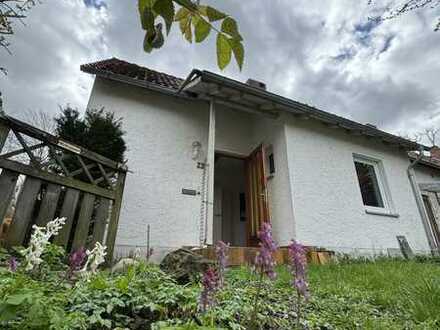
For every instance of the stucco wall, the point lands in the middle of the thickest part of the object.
(272, 133)
(327, 202)
(160, 131)
(425, 174)
(235, 131)
(314, 195)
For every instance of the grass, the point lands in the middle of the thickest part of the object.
(387, 294)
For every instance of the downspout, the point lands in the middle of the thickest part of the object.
(210, 163)
(419, 201)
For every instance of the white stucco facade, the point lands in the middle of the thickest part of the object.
(314, 194)
(160, 132)
(327, 201)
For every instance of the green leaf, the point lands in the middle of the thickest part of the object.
(224, 51)
(202, 30)
(238, 50)
(165, 9)
(18, 299)
(147, 19)
(203, 10)
(214, 15)
(187, 4)
(181, 14)
(8, 312)
(230, 27)
(142, 4)
(185, 28)
(148, 47)
(146, 13)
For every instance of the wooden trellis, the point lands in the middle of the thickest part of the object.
(69, 181)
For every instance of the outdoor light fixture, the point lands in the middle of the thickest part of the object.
(197, 154)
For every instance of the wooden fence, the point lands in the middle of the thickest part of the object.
(43, 177)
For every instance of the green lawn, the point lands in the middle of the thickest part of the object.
(380, 295)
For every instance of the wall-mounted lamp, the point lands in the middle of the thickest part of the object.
(197, 154)
(196, 150)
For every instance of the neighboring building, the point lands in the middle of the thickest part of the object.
(319, 178)
(428, 176)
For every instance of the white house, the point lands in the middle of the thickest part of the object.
(212, 158)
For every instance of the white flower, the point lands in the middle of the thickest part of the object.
(95, 258)
(39, 241)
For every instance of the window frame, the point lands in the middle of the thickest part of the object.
(382, 183)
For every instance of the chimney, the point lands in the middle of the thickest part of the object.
(256, 84)
(435, 152)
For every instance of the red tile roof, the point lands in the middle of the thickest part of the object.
(133, 71)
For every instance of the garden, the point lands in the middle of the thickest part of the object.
(43, 288)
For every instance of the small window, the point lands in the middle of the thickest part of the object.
(269, 161)
(271, 164)
(242, 207)
(369, 184)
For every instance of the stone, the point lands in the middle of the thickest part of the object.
(123, 264)
(185, 265)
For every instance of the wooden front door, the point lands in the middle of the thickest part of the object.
(256, 195)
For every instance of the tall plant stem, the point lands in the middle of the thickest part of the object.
(252, 324)
(298, 310)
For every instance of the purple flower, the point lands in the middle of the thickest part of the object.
(77, 259)
(264, 259)
(298, 263)
(210, 285)
(221, 252)
(13, 264)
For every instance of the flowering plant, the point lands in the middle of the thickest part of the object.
(95, 257)
(76, 260)
(264, 263)
(39, 241)
(298, 264)
(13, 264)
(264, 260)
(221, 252)
(210, 284)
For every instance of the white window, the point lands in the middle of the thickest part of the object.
(372, 183)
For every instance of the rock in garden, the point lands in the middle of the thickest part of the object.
(185, 265)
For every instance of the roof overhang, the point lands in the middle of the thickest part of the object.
(210, 86)
(431, 187)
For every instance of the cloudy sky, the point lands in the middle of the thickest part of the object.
(324, 53)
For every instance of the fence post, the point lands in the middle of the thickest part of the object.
(114, 218)
(4, 131)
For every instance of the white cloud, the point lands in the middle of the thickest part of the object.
(44, 68)
(324, 53)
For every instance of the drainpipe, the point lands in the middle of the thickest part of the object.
(210, 163)
(419, 201)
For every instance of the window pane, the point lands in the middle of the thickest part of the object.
(368, 184)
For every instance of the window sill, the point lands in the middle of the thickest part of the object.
(382, 213)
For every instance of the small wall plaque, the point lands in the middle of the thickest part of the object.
(190, 192)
